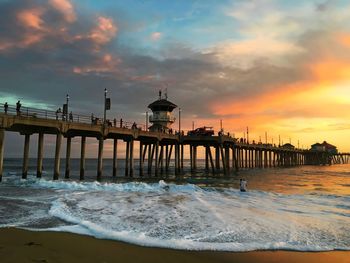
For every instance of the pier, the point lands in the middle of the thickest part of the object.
(224, 155)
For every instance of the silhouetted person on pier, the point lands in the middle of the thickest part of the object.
(92, 118)
(6, 107)
(121, 123)
(243, 185)
(18, 107)
(71, 116)
(134, 126)
(115, 122)
(57, 113)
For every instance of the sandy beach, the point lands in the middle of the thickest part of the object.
(26, 246)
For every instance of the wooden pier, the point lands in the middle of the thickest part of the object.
(223, 154)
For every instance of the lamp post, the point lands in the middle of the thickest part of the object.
(67, 101)
(180, 121)
(105, 108)
(146, 120)
(247, 135)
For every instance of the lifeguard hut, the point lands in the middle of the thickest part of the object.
(161, 117)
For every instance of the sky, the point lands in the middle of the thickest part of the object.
(275, 66)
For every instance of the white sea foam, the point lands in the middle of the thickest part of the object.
(208, 220)
(189, 217)
(97, 186)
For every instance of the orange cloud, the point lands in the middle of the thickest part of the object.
(66, 8)
(31, 18)
(106, 64)
(104, 31)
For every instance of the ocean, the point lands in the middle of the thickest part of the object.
(303, 208)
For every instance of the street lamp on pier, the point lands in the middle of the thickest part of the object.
(105, 107)
(180, 121)
(67, 101)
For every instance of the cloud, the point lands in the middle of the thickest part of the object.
(31, 18)
(155, 36)
(104, 31)
(265, 80)
(66, 8)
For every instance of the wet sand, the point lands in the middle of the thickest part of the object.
(25, 246)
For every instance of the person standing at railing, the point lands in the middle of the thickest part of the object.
(121, 123)
(115, 122)
(134, 126)
(6, 107)
(92, 118)
(71, 116)
(57, 113)
(18, 107)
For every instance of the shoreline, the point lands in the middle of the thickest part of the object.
(17, 245)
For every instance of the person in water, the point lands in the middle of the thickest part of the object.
(243, 185)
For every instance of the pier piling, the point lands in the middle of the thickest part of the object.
(115, 148)
(2, 140)
(82, 157)
(25, 156)
(68, 150)
(100, 158)
(56, 172)
(39, 165)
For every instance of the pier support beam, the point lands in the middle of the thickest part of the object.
(131, 158)
(211, 159)
(141, 159)
(127, 156)
(100, 158)
(2, 140)
(206, 159)
(217, 158)
(115, 148)
(56, 172)
(25, 156)
(223, 159)
(68, 150)
(195, 157)
(166, 158)
(161, 159)
(156, 164)
(182, 157)
(191, 157)
(82, 158)
(149, 160)
(177, 156)
(227, 159)
(39, 164)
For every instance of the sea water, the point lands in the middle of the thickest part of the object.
(302, 208)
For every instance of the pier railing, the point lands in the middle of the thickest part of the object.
(70, 117)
